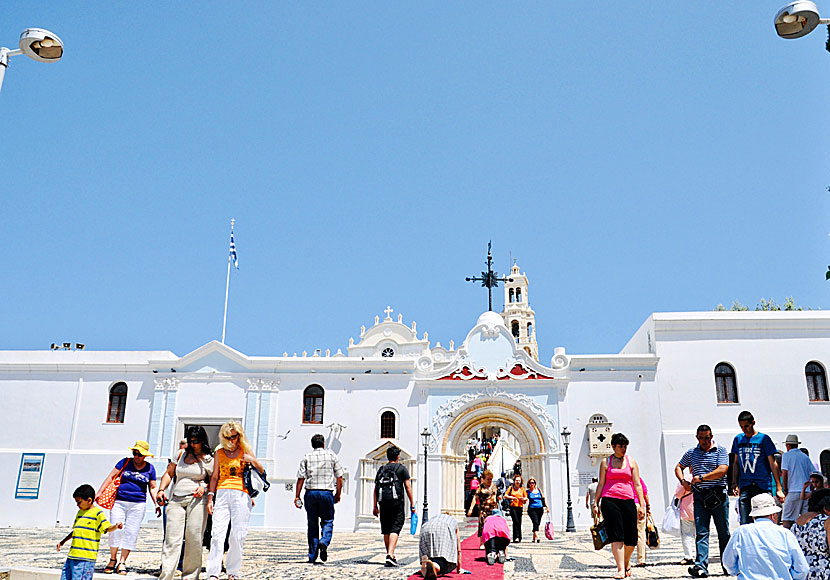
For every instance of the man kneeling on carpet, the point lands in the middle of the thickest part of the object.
(440, 546)
(496, 537)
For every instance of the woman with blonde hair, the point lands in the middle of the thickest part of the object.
(228, 500)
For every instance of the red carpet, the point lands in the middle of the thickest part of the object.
(472, 559)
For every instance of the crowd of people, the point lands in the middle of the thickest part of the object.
(206, 488)
(763, 489)
(203, 490)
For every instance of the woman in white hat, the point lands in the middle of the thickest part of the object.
(138, 477)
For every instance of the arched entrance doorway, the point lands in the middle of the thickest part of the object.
(529, 436)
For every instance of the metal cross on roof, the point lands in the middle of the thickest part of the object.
(489, 279)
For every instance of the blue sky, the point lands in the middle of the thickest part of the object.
(633, 158)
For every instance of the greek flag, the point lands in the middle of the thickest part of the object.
(233, 252)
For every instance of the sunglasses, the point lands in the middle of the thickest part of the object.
(194, 441)
(137, 453)
(233, 437)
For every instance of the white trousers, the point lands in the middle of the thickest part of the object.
(186, 518)
(234, 507)
(129, 513)
(687, 536)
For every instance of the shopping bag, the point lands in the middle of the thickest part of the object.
(652, 537)
(599, 535)
(549, 529)
(413, 523)
(106, 499)
(671, 519)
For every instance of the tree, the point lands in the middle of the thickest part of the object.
(764, 305)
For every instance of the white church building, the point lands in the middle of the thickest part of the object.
(74, 413)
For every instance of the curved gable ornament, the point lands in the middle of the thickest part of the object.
(447, 412)
(490, 353)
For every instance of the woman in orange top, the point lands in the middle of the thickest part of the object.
(518, 499)
(232, 502)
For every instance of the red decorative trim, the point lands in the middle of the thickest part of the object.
(520, 372)
(464, 374)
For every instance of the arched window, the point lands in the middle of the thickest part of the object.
(510, 295)
(514, 327)
(313, 404)
(529, 329)
(816, 381)
(118, 403)
(725, 383)
(387, 425)
(518, 294)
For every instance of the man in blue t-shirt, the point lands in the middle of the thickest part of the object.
(754, 462)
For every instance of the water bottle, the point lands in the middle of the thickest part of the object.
(413, 523)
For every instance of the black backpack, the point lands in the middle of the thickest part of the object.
(389, 486)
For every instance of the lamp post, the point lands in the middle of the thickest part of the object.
(425, 435)
(36, 43)
(798, 19)
(566, 440)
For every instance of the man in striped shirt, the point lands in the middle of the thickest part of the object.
(709, 464)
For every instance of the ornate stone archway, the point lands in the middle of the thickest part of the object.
(517, 413)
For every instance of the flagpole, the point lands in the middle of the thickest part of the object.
(227, 284)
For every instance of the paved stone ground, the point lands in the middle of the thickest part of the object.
(282, 555)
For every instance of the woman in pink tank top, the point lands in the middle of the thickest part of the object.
(619, 480)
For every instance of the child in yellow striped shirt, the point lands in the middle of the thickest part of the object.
(90, 523)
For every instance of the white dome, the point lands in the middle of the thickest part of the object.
(491, 318)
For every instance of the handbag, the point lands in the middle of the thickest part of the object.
(254, 481)
(599, 535)
(652, 537)
(671, 519)
(106, 499)
(549, 528)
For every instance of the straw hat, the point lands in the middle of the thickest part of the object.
(142, 447)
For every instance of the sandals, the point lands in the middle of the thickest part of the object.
(627, 572)
(121, 569)
(111, 566)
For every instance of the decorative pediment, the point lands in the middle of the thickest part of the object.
(489, 353)
(213, 357)
(388, 339)
(379, 452)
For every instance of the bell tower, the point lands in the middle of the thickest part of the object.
(518, 316)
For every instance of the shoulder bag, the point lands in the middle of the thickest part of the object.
(713, 497)
(254, 481)
(106, 499)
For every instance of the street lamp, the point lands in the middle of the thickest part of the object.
(798, 19)
(36, 43)
(566, 440)
(425, 435)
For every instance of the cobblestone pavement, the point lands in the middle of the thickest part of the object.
(282, 555)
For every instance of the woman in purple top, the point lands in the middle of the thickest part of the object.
(137, 477)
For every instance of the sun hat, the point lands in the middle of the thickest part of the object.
(142, 447)
(763, 505)
(792, 440)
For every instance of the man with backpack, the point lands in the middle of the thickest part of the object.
(391, 482)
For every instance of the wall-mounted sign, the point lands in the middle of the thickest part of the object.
(28, 478)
